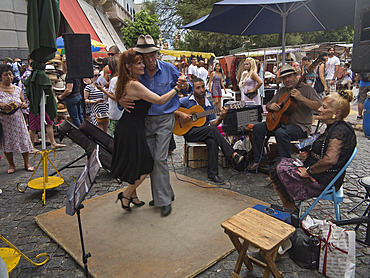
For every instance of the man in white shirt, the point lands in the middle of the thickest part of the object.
(193, 69)
(332, 67)
(202, 72)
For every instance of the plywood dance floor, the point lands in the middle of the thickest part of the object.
(141, 243)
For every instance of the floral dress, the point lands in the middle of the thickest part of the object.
(335, 144)
(15, 133)
(216, 86)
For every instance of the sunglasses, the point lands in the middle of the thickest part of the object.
(110, 54)
(96, 75)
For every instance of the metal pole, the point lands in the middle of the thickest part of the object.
(84, 255)
(44, 151)
(283, 35)
(42, 120)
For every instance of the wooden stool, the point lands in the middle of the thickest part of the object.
(265, 232)
(195, 154)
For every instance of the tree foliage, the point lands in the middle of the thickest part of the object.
(219, 44)
(176, 13)
(145, 23)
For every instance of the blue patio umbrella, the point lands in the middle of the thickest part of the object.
(256, 17)
(95, 45)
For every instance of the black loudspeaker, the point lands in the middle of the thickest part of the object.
(79, 55)
(237, 119)
(361, 40)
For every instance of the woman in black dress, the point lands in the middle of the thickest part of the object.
(132, 160)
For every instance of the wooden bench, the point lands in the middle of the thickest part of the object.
(265, 232)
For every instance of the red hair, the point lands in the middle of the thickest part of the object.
(129, 57)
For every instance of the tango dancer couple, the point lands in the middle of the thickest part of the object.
(147, 89)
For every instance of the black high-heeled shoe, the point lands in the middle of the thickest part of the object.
(120, 197)
(137, 204)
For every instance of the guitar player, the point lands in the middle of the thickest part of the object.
(298, 124)
(208, 133)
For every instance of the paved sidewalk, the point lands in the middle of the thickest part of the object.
(17, 212)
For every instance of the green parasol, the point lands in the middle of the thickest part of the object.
(43, 18)
(42, 29)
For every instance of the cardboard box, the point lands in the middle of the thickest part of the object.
(198, 157)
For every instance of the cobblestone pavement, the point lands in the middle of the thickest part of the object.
(17, 212)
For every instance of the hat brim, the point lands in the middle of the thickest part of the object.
(62, 110)
(59, 89)
(287, 73)
(55, 61)
(145, 50)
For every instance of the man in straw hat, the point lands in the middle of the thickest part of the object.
(159, 77)
(299, 122)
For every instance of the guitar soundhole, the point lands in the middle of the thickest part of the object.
(194, 117)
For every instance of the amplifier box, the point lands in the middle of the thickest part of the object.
(237, 119)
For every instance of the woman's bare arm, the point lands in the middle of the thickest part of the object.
(138, 91)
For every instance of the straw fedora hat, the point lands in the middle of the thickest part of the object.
(56, 59)
(61, 108)
(59, 85)
(145, 44)
(286, 70)
(8, 60)
(49, 67)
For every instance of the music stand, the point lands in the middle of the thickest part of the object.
(77, 193)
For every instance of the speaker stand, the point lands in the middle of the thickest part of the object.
(84, 255)
(70, 163)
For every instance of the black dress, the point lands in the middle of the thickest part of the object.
(131, 156)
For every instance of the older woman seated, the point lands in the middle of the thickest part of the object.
(327, 156)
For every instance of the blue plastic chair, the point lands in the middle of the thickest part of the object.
(329, 192)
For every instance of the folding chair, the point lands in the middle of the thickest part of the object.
(329, 192)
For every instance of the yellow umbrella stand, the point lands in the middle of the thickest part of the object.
(12, 255)
(44, 182)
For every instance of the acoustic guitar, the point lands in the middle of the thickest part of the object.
(286, 102)
(198, 116)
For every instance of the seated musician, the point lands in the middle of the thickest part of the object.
(298, 124)
(208, 133)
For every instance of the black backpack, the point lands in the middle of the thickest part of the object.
(242, 166)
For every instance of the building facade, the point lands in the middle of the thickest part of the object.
(102, 19)
(13, 21)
